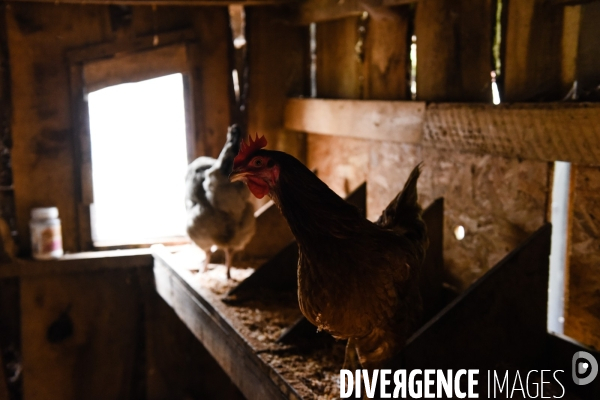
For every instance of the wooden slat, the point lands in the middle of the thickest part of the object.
(454, 50)
(588, 58)
(83, 335)
(278, 64)
(251, 375)
(386, 68)
(532, 63)
(338, 66)
(379, 120)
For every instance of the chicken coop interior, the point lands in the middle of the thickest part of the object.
(141, 259)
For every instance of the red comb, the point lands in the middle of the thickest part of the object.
(247, 149)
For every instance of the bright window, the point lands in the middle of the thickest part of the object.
(139, 160)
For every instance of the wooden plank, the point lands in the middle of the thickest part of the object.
(588, 57)
(496, 299)
(135, 67)
(543, 131)
(309, 11)
(387, 47)
(379, 120)
(118, 48)
(210, 78)
(10, 338)
(278, 63)
(532, 64)
(454, 50)
(165, 2)
(43, 150)
(87, 326)
(78, 263)
(338, 66)
(179, 367)
(249, 373)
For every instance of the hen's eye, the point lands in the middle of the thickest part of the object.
(258, 162)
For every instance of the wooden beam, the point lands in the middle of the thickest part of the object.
(306, 12)
(398, 121)
(79, 262)
(164, 2)
(534, 131)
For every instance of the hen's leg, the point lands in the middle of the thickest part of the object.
(207, 254)
(350, 357)
(228, 256)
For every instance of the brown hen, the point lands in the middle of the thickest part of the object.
(357, 280)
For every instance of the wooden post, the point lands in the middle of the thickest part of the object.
(532, 64)
(278, 65)
(454, 50)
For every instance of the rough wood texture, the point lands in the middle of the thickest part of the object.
(546, 132)
(90, 326)
(582, 320)
(220, 3)
(541, 132)
(179, 367)
(532, 65)
(394, 121)
(40, 36)
(471, 322)
(454, 50)
(338, 66)
(10, 338)
(135, 67)
(499, 201)
(588, 57)
(387, 63)
(235, 355)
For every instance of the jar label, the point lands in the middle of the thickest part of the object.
(46, 240)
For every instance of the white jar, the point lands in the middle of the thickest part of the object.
(46, 235)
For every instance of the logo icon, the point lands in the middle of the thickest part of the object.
(584, 367)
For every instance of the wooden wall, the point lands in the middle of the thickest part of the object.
(96, 329)
(39, 36)
(498, 200)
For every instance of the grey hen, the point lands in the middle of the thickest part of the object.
(219, 213)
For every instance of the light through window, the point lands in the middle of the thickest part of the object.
(139, 160)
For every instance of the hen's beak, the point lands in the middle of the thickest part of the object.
(238, 175)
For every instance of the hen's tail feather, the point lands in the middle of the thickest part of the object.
(230, 150)
(403, 214)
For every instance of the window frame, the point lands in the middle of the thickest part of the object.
(116, 52)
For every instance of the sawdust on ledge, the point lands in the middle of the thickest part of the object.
(312, 372)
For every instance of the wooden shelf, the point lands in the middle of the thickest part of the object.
(256, 363)
(535, 131)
